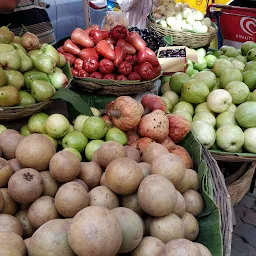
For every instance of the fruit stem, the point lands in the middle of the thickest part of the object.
(24, 27)
(115, 113)
(8, 25)
(21, 31)
(103, 111)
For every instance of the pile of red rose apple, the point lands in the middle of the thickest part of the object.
(115, 55)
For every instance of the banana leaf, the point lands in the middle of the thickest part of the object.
(210, 219)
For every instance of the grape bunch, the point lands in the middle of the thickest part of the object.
(152, 39)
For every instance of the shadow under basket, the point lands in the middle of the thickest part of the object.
(241, 186)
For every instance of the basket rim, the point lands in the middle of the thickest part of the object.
(185, 32)
(105, 82)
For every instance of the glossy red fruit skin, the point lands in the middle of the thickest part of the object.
(93, 27)
(104, 49)
(110, 77)
(143, 56)
(74, 72)
(96, 75)
(70, 57)
(130, 50)
(99, 35)
(60, 49)
(80, 37)
(106, 66)
(119, 54)
(136, 41)
(119, 32)
(82, 73)
(88, 53)
(78, 64)
(146, 71)
(134, 76)
(91, 65)
(121, 78)
(71, 47)
(125, 68)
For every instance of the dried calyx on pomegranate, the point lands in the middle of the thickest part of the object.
(125, 113)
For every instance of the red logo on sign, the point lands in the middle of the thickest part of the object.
(248, 25)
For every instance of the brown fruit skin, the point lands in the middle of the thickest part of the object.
(90, 173)
(131, 202)
(157, 196)
(168, 143)
(50, 185)
(71, 198)
(180, 206)
(167, 228)
(184, 155)
(132, 136)
(146, 168)
(22, 217)
(190, 181)
(51, 239)
(123, 176)
(194, 202)
(170, 166)
(12, 240)
(81, 182)
(109, 151)
(35, 151)
(9, 140)
(180, 247)
(131, 226)
(132, 153)
(191, 226)
(149, 246)
(152, 151)
(64, 166)
(1, 201)
(8, 223)
(5, 172)
(10, 206)
(25, 186)
(15, 164)
(82, 235)
(103, 196)
(203, 250)
(41, 211)
(103, 180)
(27, 241)
(179, 127)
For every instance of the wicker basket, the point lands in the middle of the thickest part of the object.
(17, 112)
(108, 87)
(184, 38)
(223, 200)
(241, 186)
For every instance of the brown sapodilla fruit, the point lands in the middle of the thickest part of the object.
(123, 176)
(51, 186)
(10, 206)
(41, 211)
(109, 151)
(25, 186)
(71, 198)
(90, 220)
(184, 155)
(8, 223)
(152, 151)
(35, 151)
(132, 153)
(9, 140)
(90, 173)
(1, 201)
(22, 217)
(15, 164)
(64, 166)
(55, 242)
(5, 172)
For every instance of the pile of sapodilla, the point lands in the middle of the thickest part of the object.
(113, 205)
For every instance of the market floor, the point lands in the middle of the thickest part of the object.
(244, 234)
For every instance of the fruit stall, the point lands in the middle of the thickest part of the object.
(123, 141)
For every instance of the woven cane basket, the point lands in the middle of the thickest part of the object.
(109, 87)
(184, 38)
(240, 187)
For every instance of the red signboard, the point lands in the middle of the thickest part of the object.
(238, 26)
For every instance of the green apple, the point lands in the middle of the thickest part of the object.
(79, 122)
(75, 140)
(74, 151)
(91, 147)
(57, 126)
(115, 134)
(95, 128)
(36, 123)
(24, 131)
(2, 128)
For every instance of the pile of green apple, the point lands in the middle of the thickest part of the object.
(83, 137)
(29, 72)
(218, 96)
